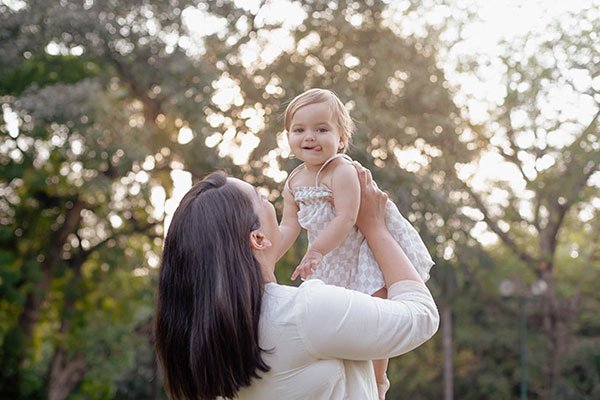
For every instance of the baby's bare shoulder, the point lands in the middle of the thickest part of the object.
(339, 170)
(300, 177)
(341, 166)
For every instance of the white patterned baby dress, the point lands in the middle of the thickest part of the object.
(352, 264)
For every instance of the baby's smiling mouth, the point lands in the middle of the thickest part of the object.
(314, 148)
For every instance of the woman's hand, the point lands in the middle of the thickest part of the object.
(373, 201)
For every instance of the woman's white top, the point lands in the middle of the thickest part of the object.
(321, 338)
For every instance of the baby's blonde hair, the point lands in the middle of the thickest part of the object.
(340, 114)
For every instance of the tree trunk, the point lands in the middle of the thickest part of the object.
(34, 299)
(156, 381)
(65, 374)
(554, 321)
(447, 345)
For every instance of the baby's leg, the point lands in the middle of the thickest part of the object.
(380, 366)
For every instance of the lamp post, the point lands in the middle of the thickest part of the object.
(523, 348)
(508, 289)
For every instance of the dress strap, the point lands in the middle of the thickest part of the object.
(326, 163)
(294, 172)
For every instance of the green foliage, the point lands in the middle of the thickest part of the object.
(414, 375)
(77, 229)
(46, 70)
(581, 377)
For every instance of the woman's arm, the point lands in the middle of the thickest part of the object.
(339, 323)
(289, 228)
(346, 199)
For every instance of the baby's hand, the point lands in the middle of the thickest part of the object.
(307, 266)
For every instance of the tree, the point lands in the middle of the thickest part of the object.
(70, 196)
(554, 155)
(97, 130)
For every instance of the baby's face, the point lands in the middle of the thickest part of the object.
(314, 136)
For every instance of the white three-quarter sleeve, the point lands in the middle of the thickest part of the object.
(338, 323)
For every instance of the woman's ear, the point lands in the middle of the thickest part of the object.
(258, 241)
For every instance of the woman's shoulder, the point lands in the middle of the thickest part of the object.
(281, 290)
(313, 299)
(317, 296)
(277, 301)
(312, 289)
(288, 304)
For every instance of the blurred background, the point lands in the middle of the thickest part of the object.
(480, 118)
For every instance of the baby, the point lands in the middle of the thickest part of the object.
(322, 195)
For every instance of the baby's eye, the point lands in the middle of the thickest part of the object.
(298, 130)
(323, 130)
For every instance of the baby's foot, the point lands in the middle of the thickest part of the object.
(382, 388)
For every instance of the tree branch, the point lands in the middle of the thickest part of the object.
(136, 229)
(522, 254)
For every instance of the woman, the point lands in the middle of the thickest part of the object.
(224, 327)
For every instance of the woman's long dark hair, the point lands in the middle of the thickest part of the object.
(209, 294)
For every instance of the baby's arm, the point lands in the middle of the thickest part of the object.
(289, 228)
(346, 198)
